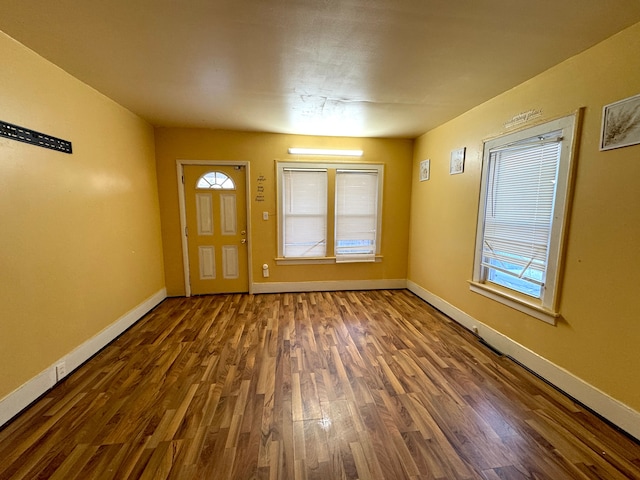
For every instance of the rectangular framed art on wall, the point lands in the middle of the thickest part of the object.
(425, 170)
(456, 163)
(621, 124)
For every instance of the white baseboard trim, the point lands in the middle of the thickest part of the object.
(608, 407)
(24, 395)
(329, 286)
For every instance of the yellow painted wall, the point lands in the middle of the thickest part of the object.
(79, 234)
(598, 336)
(261, 150)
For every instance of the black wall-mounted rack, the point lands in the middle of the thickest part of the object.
(21, 134)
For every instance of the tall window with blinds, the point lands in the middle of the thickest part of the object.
(518, 214)
(304, 212)
(522, 217)
(356, 216)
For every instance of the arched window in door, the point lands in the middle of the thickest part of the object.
(215, 180)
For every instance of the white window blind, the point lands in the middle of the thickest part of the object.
(356, 215)
(304, 212)
(518, 217)
(522, 217)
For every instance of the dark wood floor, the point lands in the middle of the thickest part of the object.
(353, 385)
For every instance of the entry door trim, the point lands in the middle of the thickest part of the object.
(180, 164)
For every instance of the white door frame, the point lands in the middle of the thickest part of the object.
(180, 164)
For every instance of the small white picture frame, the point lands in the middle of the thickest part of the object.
(456, 164)
(620, 124)
(425, 170)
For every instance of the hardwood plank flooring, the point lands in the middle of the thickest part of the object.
(340, 385)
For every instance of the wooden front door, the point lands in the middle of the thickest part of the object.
(216, 214)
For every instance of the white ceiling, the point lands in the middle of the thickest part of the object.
(384, 68)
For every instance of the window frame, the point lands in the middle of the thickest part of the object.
(282, 217)
(331, 168)
(356, 257)
(544, 308)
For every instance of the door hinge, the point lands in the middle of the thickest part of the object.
(186, 231)
(183, 179)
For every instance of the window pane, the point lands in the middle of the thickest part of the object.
(507, 275)
(356, 212)
(518, 216)
(215, 180)
(304, 213)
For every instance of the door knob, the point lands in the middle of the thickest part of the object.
(244, 240)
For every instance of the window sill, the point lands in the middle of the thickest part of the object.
(515, 302)
(316, 260)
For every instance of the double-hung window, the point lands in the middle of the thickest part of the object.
(304, 212)
(525, 186)
(356, 216)
(329, 212)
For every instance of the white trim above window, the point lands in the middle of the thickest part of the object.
(522, 216)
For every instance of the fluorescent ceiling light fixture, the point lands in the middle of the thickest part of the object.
(325, 151)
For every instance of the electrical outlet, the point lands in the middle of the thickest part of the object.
(61, 371)
(265, 215)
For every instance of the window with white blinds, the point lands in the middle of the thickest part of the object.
(521, 219)
(304, 212)
(519, 212)
(329, 212)
(356, 216)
